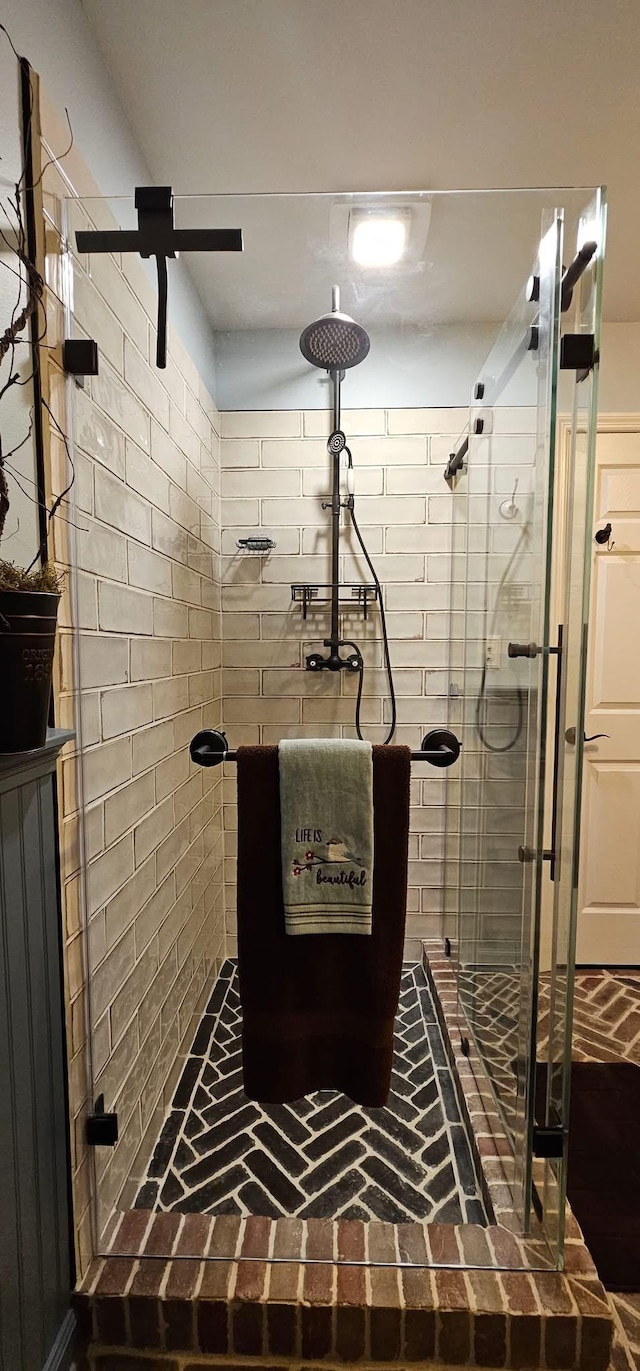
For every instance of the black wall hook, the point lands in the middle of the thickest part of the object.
(156, 236)
(603, 535)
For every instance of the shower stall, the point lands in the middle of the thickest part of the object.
(414, 489)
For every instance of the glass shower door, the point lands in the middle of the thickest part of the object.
(520, 603)
(505, 681)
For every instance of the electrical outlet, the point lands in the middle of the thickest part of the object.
(493, 654)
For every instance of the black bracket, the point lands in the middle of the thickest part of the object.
(157, 237)
(80, 358)
(573, 273)
(548, 1141)
(578, 353)
(531, 650)
(102, 1127)
(456, 461)
(447, 947)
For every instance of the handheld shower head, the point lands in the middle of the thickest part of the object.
(334, 342)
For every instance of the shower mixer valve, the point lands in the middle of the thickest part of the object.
(334, 662)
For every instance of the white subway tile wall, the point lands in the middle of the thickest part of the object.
(275, 475)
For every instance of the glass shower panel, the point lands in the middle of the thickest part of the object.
(504, 689)
(576, 466)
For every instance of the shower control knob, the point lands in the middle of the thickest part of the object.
(314, 662)
(353, 662)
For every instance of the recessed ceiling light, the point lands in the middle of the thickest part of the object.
(378, 240)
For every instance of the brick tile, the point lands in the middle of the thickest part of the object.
(255, 1242)
(411, 1243)
(317, 1330)
(451, 1291)
(216, 1280)
(553, 1293)
(351, 1285)
(212, 1318)
(417, 1288)
(590, 1296)
(320, 1239)
(595, 1346)
(442, 1245)
(145, 1321)
(251, 1280)
(289, 1237)
(475, 1248)
(110, 1320)
(519, 1292)
(195, 1235)
(148, 1278)
(162, 1235)
(453, 1333)
(318, 1284)
(131, 1230)
(179, 1320)
(182, 1279)
(247, 1326)
(490, 1339)
(224, 1237)
(560, 1342)
(282, 1330)
(381, 1242)
(284, 1281)
(351, 1240)
(115, 1276)
(385, 1324)
(350, 1332)
(419, 1334)
(525, 1339)
(486, 1293)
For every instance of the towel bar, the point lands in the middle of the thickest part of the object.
(209, 747)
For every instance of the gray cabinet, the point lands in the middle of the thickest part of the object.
(36, 1325)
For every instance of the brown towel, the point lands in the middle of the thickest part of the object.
(318, 1012)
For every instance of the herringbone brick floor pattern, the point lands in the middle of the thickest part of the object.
(606, 1020)
(322, 1156)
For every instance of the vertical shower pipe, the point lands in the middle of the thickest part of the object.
(336, 377)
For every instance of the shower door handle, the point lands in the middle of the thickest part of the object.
(552, 855)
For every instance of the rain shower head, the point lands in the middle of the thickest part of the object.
(334, 342)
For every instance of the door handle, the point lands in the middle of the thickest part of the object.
(570, 736)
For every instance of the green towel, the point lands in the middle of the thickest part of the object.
(326, 828)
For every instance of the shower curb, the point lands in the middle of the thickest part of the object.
(221, 1299)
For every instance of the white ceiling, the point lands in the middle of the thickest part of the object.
(348, 95)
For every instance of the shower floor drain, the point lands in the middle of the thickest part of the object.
(323, 1156)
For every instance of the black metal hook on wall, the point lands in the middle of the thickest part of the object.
(156, 236)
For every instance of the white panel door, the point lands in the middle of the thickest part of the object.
(609, 895)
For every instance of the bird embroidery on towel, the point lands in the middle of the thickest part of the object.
(332, 853)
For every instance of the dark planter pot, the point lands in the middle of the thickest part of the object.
(28, 621)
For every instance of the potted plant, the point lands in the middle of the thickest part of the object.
(29, 596)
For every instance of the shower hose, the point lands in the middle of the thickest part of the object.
(481, 698)
(383, 622)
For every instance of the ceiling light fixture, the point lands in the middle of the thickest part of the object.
(378, 240)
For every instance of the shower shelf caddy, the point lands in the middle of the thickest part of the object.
(350, 593)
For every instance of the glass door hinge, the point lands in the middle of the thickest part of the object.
(548, 1141)
(578, 353)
